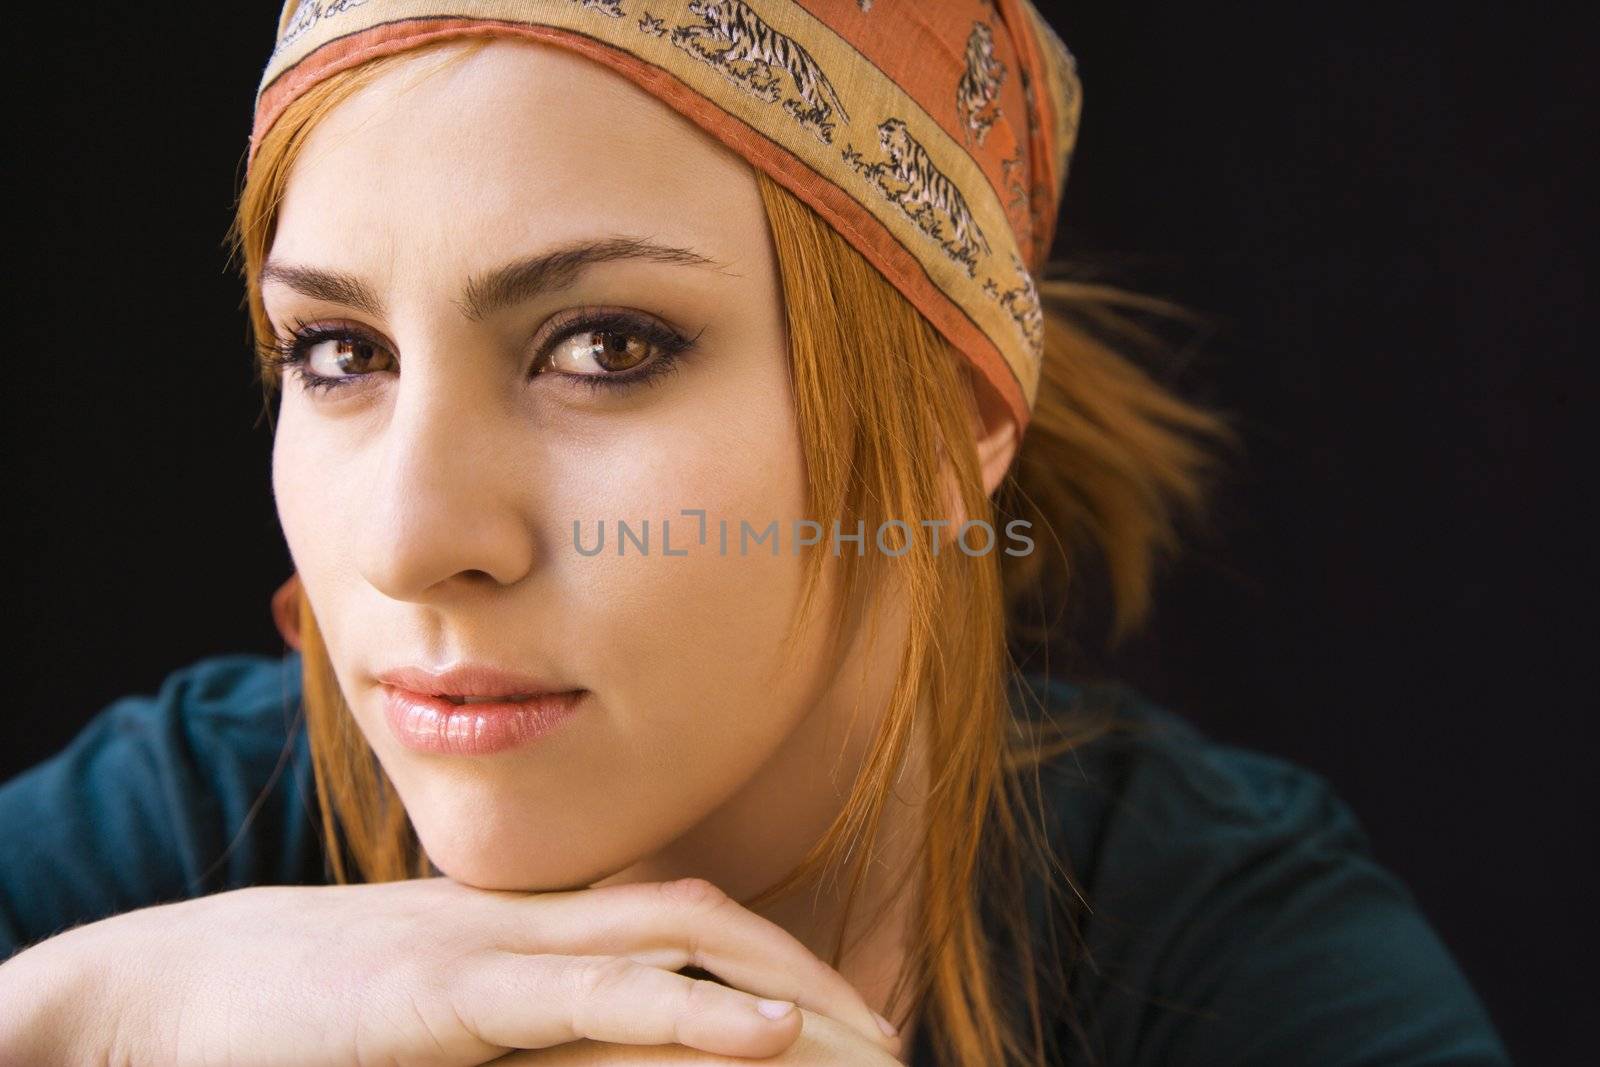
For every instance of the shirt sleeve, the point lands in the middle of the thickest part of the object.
(199, 788)
(1241, 918)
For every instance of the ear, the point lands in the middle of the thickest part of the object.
(286, 611)
(996, 434)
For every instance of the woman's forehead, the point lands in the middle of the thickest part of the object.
(516, 146)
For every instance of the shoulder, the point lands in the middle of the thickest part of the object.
(212, 724)
(200, 786)
(1237, 911)
(231, 707)
(1156, 781)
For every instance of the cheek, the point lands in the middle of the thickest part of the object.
(689, 653)
(687, 644)
(312, 491)
(294, 488)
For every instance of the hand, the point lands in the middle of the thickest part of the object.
(426, 972)
(823, 1042)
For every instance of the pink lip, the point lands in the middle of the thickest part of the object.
(468, 680)
(428, 723)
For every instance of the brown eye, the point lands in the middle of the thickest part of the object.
(351, 355)
(299, 352)
(612, 350)
(608, 351)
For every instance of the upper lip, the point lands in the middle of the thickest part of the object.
(467, 680)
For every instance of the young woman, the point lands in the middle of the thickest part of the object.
(674, 424)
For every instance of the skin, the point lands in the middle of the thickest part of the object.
(429, 511)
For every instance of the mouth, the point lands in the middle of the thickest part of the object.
(473, 683)
(477, 725)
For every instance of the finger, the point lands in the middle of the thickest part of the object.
(602, 1054)
(824, 1042)
(521, 1001)
(689, 921)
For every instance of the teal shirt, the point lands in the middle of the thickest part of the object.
(1239, 915)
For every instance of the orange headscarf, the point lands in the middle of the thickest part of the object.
(934, 135)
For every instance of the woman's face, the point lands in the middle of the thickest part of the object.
(429, 500)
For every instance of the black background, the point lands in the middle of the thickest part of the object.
(1381, 208)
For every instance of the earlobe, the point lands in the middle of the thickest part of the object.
(286, 610)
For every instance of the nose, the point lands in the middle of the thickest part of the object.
(447, 508)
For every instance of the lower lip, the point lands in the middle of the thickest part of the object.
(432, 724)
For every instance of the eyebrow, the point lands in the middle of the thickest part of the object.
(518, 280)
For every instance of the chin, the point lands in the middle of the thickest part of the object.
(537, 869)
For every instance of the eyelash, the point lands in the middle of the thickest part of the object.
(294, 351)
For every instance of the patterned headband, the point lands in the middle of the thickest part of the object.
(934, 135)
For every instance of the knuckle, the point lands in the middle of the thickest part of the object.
(597, 983)
(694, 893)
(698, 898)
(701, 997)
(600, 977)
(697, 1000)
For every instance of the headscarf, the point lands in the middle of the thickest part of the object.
(933, 135)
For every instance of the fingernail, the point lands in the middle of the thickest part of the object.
(774, 1009)
(885, 1025)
